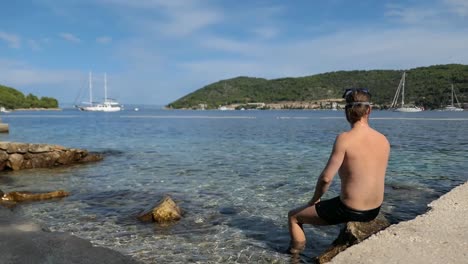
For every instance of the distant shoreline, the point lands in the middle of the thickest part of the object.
(36, 109)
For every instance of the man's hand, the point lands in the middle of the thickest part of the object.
(311, 202)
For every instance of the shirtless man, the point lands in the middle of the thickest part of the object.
(360, 156)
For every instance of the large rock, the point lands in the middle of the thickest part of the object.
(28, 196)
(39, 148)
(4, 128)
(3, 159)
(15, 161)
(17, 156)
(24, 241)
(353, 233)
(165, 212)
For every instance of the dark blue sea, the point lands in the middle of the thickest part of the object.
(234, 173)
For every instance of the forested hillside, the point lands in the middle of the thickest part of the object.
(425, 86)
(12, 99)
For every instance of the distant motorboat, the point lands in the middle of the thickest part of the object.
(334, 106)
(225, 108)
(403, 107)
(408, 109)
(4, 110)
(108, 105)
(452, 107)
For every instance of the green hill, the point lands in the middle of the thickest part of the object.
(425, 86)
(11, 98)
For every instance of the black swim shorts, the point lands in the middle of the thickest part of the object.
(334, 212)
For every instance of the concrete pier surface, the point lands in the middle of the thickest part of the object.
(438, 236)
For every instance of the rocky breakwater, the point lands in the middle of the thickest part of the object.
(18, 156)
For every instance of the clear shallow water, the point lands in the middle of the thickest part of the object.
(234, 173)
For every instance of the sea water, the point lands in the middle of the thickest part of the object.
(235, 174)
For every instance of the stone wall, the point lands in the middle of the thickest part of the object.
(18, 156)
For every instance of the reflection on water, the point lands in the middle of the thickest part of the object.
(235, 175)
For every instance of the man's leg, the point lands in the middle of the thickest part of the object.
(296, 218)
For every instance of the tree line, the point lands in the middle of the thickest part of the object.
(11, 98)
(429, 87)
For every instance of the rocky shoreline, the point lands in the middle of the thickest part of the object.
(18, 156)
(22, 240)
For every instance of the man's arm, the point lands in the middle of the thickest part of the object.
(334, 163)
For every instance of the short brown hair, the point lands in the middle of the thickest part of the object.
(354, 110)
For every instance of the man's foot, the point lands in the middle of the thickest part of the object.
(296, 247)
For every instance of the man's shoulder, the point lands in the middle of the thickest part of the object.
(381, 137)
(343, 138)
(342, 135)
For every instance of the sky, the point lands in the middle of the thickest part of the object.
(156, 51)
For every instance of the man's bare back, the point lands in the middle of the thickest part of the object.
(362, 172)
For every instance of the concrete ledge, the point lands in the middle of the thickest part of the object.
(438, 236)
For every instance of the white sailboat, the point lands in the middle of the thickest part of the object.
(403, 107)
(452, 107)
(108, 105)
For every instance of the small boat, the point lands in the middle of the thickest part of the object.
(108, 105)
(4, 110)
(403, 107)
(452, 107)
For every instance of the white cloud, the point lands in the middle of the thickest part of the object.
(12, 40)
(177, 18)
(222, 69)
(434, 13)
(347, 50)
(459, 7)
(70, 37)
(34, 44)
(104, 40)
(186, 22)
(418, 15)
(266, 32)
(229, 45)
(17, 74)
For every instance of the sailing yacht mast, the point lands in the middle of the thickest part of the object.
(109, 105)
(105, 87)
(397, 94)
(452, 94)
(90, 88)
(403, 90)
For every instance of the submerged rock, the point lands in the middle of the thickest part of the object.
(353, 233)
(24, 241)
(17, 156)
(166, 211)
(29, 196)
